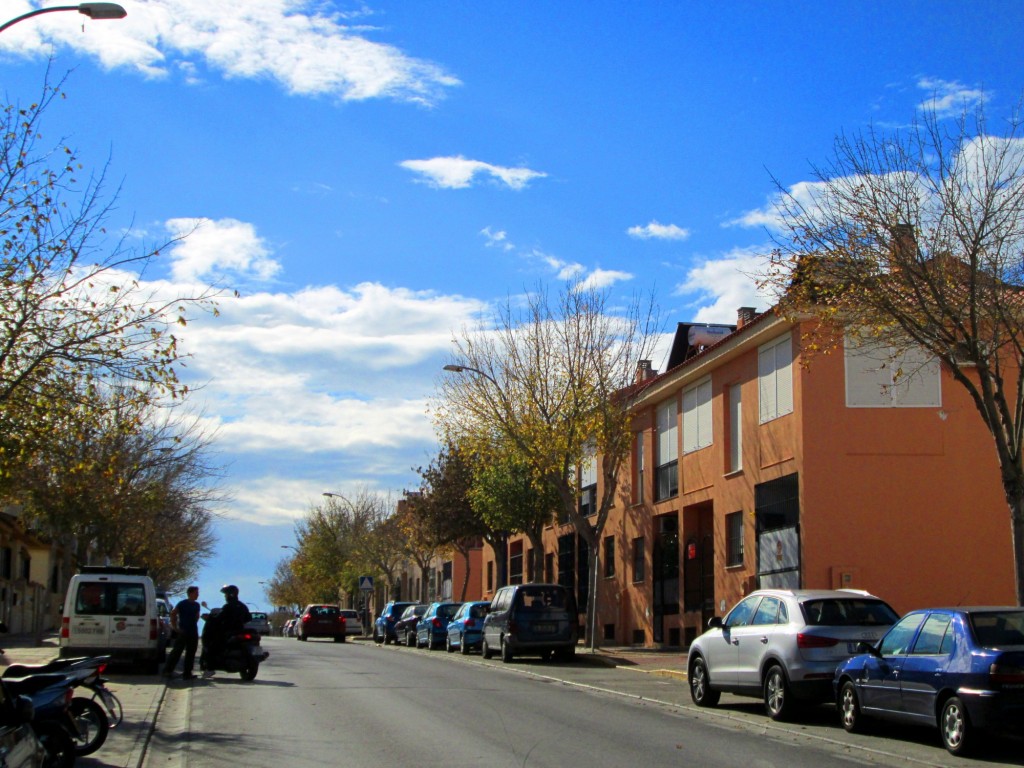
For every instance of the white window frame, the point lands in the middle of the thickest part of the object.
(735, 428)
(667, 420)
(697, 416)
(877, 377)
(775, 378)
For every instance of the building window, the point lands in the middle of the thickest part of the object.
(667, 480)
(697, 416)
(735, 428)
(775, 378)
(515, 563)
(639, 561)
(6, 562)
(588, 484)
(638, 468)
(879, 376)
(734, 539)
(609, 557)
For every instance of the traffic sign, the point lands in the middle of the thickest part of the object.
(366, 583)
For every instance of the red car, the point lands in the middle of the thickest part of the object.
(321, 621)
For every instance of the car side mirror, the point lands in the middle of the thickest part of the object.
(714, 622)
(24, 709)
(864, 647)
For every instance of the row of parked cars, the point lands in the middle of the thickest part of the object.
(958, 669)
(521, 619)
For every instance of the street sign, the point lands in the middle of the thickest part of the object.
(366, 583)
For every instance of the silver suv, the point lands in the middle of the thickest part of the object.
(784, 644)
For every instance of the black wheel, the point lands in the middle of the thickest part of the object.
(448, 644)
(376, 637)
(339, 638)
(303, 638)
(700, 685)
(388, 640)
(849, 708)
(92, 723)
(955, 727)
(566, 654)
(485, 649)
(410, 639)
(506, 652)
(778, 702)
(59, 746)
(463, 646)
(250, 671)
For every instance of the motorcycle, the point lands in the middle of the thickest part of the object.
(239, 652)
(52, 720)
(92, 720)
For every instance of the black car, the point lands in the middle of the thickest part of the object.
(405, 627)
(531, 619)
(384, 625)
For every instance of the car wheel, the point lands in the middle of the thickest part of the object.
(777, 699)
(955, 727)
(506, 652)
(849, 708)
(485, 649)
(303, 638)
(700, 685)
(566, 654)
(410, 639)
(448, 644)
(463, 647)
(339, 638)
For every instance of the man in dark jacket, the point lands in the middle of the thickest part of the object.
(222, 624)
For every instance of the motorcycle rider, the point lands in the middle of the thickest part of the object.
(221, 624)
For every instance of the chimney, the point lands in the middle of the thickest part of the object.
(904, 243)
(644, 371)
(745, 315)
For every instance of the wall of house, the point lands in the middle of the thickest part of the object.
(904, 502)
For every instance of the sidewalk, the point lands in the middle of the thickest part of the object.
(664, 662)
(140, 695)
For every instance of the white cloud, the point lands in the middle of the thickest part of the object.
(656, 231)
(603, 278)
(459, 172)
(212, 250)
(497, 239)
(293, 42)
(721, 286)
(949, 98)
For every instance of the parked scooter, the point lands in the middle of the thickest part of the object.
(239, 653)
(92, 720)
(52, 721)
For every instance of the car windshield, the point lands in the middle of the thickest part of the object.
(322, 611)
(256, 616)
(848, 611)
(996, 629)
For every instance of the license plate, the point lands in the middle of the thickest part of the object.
(88, 630)
(542, 628)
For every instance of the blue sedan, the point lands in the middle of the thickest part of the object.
(466, 629)
(432, 628)
(960, 670)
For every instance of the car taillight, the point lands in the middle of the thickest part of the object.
(470, 623)
(815, 641)
(1002, 673)
(436, 622)
(306, 618)
(65, 627)
(342, 620)
(154, 632)
(391, 619)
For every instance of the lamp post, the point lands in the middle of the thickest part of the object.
(467, 368)
(95, 11)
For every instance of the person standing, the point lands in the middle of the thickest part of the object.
(185, 622)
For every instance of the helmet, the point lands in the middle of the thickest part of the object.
(229, 590)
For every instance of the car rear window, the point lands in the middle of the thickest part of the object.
(479, 611)
(542, 598)
(322, 611)
(848, 612)
(97, 598)
(447, 611)
(257, 616)
(995, 629)
(350, 614)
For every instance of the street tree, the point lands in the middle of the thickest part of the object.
(551, 376)
(421, 540)
(914, 240)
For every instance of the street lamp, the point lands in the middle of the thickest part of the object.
(467, 368)
(95, 11)
(289, 546)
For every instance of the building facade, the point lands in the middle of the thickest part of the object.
(756, 465)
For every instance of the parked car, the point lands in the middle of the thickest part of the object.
(163, 615)
(466, 629)
(784, 645)
(321, 621)
(958, 669)
(353, 624)
(384, 625)
(432, 629)
(288, 630)
(259, 623)
(531, 619)
(405, 627)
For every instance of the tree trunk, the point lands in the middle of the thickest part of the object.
(536, 565)
(593, 642)
(1016, 503)
(465, 580)
(499, 544)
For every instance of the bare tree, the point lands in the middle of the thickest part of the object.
(914, 240)
(553, 378)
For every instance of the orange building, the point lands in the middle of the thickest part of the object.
(756, 466)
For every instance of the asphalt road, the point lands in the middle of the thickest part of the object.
(320, 703)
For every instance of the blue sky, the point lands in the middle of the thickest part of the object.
(372, 177)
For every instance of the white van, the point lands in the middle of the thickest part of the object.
(112, 610)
